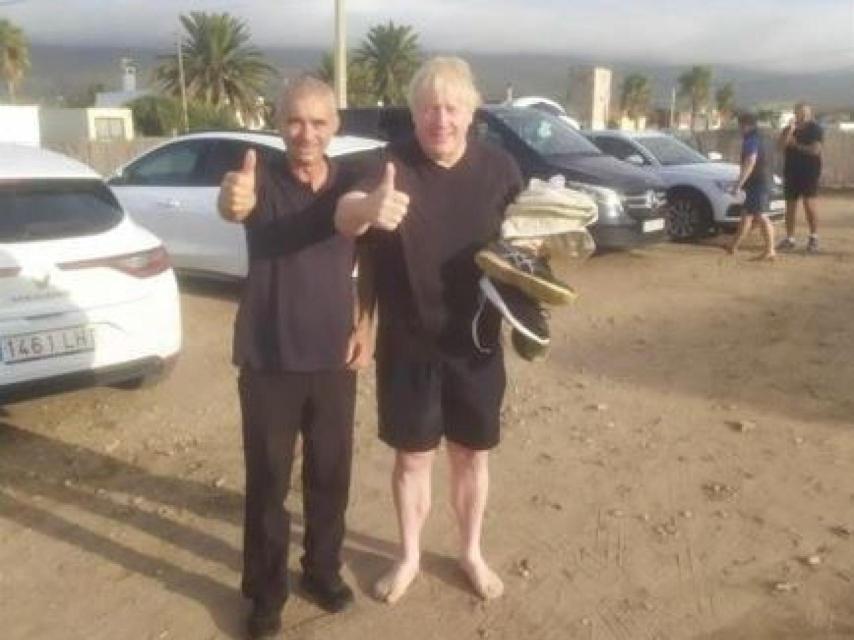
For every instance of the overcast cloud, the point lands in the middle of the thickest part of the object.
(771, 34)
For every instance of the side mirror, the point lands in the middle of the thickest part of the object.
(635, 159)
(714, 156)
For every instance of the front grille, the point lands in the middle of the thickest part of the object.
(645, 204)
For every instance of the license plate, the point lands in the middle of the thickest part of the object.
(46, 344)
(778, 205)
(653, 225)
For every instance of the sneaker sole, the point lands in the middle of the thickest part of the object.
(537, 288)
(494, 297)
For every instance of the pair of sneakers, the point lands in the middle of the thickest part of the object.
(788, 244)
(517, 282)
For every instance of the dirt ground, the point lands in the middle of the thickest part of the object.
(680, 467)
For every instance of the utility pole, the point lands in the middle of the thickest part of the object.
(182, 83)
(340, 56)
(672, 107)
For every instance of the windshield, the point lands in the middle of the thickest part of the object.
(51, 209)
(544, 133)
(670, 151)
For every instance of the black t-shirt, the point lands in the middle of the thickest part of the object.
(425, 275)
(296, 311)
(800, 163)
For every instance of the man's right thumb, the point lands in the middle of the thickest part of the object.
(388, 176)
(249, 162)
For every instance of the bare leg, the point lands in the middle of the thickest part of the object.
(812, 215)
(791, 217)
(410, 484)
(469, 489)
(744, 227)
(768, 234)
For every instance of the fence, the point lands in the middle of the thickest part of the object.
(105, 156)
(837, 153)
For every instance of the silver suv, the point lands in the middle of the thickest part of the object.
(699, 191)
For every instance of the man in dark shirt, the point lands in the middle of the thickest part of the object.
(441, 198)
(754, 180)
(801, 143)
(296, 347)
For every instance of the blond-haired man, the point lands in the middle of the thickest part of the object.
(440, 198)
(296, 349)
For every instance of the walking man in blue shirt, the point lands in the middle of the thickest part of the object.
(754, 181)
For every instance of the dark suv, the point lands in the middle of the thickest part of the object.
(631, 202)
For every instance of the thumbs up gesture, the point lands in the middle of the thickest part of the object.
(237, 192)
(388, 206)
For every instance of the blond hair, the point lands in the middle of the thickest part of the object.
(444, 74)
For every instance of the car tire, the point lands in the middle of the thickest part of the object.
(689, 217)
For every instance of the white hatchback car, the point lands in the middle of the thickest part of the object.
(86, 296)
(172, 190)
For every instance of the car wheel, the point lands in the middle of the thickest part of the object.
(689, 218)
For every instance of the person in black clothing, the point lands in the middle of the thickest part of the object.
(801, 143)
(296, 349)
(441, 197)
(754, 180)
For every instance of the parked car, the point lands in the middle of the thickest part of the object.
(172, 191)
(548, 106)
(631, 202)
(699, 191)
(86, 296)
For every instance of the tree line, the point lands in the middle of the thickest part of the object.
(225, 76)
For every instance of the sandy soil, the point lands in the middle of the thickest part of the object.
(678, 468)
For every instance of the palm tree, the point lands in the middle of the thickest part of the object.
(221, 68)
(725, 101)
(694, 85)
(14, 56)
(392, 54)
(360, 80)
(635, 97)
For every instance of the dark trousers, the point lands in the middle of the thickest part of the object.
(275, 408)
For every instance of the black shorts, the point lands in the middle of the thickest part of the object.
(801, 186)
(458, 397)
(755, 201)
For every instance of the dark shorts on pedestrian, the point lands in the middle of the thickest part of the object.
(458, 397)
(801, 186)
(755, 201)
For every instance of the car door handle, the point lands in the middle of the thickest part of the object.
(171, 203)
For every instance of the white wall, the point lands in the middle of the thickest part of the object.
(20, 125)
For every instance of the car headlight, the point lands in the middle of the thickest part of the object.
(726, 185)
(601, 195)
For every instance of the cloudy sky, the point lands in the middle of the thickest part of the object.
(786, 35)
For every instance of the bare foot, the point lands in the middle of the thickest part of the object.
(394, 584)
(484, 580)
(770, 257)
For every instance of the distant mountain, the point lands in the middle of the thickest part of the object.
(63, 71)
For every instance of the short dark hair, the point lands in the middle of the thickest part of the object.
(747, 119)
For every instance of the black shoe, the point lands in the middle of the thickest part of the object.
(524, 314)
(332, 598)
(264, 623)
(526, 348)
(524, 270)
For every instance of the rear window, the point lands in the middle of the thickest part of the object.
(51, 209)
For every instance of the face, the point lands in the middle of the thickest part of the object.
(802, 114)
(442, 119)
(307, 127)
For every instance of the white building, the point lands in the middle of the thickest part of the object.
(20, 124)
(94, 123)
